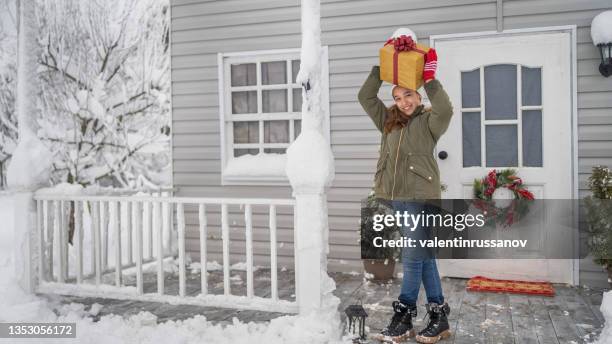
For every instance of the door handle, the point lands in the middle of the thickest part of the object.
(443, 155)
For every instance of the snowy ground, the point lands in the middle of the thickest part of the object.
(606, 310)
(18, 306)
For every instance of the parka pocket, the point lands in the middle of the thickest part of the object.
(421, 173)
(418, 166)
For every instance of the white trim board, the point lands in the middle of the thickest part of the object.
(512, 32)
(171, 124)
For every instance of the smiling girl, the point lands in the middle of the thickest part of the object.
(407, 171)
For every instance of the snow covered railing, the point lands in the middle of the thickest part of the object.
(122, 228)
(62, 219)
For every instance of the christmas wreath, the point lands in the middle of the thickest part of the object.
(484, 189)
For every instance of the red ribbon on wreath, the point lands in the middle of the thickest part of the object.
(491, 182)
(401, 44)
(485, 187)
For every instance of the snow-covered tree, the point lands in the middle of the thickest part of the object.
(8, 76)
(104, 71)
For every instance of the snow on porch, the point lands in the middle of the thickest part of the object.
(571, 316)
(165, 311)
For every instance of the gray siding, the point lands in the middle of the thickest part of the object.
(353, 30)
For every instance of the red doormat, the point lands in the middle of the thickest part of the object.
(480, 283)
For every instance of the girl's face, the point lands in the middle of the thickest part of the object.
(406, 100)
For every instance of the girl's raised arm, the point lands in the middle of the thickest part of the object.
(368, 98)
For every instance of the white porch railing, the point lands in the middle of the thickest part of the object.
(130, 231)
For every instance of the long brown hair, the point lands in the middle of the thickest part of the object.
(395, 119)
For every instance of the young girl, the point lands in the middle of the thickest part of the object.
(407, 170)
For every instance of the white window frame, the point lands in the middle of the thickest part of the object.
(224, 60)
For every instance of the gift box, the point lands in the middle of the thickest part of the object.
(402, 62)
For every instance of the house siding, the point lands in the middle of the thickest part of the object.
(353, 31)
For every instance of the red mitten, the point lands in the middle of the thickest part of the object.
(431, 64)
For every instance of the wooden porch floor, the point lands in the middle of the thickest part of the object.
(571, 317)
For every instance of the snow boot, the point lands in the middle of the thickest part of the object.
(400, 328)
(437, 328)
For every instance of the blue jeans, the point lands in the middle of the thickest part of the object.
(419, 264)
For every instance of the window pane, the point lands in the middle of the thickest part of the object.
(470, 89)
(244, 74)
(297, 128)
(246, 132)
(297, 100)
(295, 68)
(274, 100)
(531, 79)
(241, 152)
(244, 102)
(500, 92)
(502, 148)
(275, 150)
(274, 73)
(532, 138)
(471, 139)
(276, 132)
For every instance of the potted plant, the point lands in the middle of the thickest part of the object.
(599, 217)
(378, 262)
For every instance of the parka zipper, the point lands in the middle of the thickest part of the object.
(395, 167)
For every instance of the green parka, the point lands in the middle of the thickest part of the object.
(406, 167)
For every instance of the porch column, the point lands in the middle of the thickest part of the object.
(31, 161)
(24, 240)
(310, 168)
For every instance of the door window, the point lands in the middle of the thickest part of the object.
(501, 110)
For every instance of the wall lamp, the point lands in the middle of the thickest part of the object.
(601, 33)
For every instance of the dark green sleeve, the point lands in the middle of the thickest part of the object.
(368, 98)
(441, 109)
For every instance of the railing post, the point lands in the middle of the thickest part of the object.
(180, 219)
(248, 219)
(78, 242)
(137, 222)
(26, 240)
(203, 254)
(273, 257)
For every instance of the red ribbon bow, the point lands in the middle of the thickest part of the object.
(400, 44)
(404, 43)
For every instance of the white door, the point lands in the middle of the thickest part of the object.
(512, 103)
